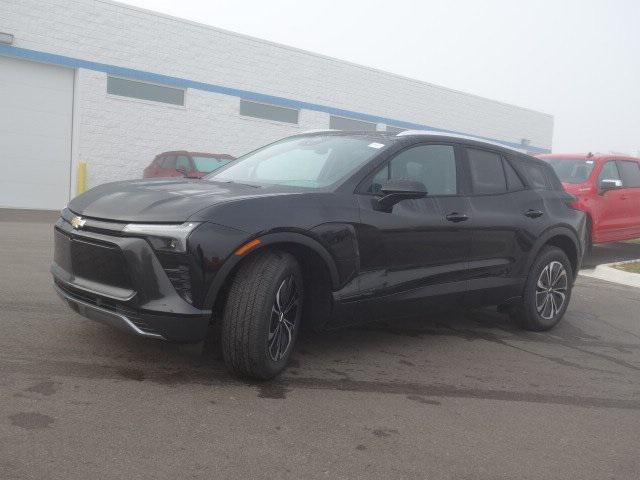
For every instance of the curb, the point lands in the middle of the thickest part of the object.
(609, 273)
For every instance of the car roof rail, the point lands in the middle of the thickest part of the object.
(461, 136)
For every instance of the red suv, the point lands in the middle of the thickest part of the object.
(185, 164)
(607, 188)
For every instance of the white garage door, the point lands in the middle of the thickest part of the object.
(36, 102)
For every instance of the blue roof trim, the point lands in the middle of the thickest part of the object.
(44, 57)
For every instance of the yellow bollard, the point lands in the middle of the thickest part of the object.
(81, 178)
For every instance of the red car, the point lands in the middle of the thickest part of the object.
(607, 188)
(185, 164)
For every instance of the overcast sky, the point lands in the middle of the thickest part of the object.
(577, 60)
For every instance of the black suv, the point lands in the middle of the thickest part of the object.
(322, 229)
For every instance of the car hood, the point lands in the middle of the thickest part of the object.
(163, 200)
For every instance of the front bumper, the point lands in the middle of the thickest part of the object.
(119, 281)
(127, 323)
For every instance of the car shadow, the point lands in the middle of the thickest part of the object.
(610, 253)
(172, 363)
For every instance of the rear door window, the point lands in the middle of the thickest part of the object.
(487, 172)
(630, 172)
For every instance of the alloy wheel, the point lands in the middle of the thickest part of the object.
(551, 290)
(283, 319)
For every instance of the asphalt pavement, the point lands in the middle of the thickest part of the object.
(457, 394)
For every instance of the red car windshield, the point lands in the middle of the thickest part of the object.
(571, 170)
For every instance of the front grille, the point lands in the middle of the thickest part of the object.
(92, 260)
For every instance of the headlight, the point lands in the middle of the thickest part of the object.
(168, 238)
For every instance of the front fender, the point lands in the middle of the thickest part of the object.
(333, 255)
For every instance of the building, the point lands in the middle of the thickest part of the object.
(112, 85)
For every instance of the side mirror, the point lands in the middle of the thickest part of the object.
(394, 191)
(609, 184)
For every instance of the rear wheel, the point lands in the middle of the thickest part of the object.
(547, 291)
(262, 315)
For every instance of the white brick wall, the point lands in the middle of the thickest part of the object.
(118, 137)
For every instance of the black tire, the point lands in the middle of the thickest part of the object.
(249, 315)
(528, 315)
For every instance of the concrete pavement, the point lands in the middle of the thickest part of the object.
(459, 394)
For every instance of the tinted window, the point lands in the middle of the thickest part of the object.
(268, 112)
(379, 179)
(513, 180)
(487, 173)
(553, 179)
(630, 173)
(609, 172)
(168, 162)
(535, 174)
(341, 123)
(183, 162)
(144, 91)
(433, 165)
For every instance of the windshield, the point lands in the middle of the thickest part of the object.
(571, 170)
(209, 164)
(314, 161)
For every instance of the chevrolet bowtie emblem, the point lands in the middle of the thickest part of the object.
(77, 222)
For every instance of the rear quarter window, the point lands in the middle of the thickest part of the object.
(535, 174)
(513, 180)
(552, 178)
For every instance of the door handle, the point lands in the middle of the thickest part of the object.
(456, 217)
(533, 213)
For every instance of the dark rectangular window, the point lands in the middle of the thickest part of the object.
(630, 172)
(182, 161)
(168, 162)
(268, 112)
(609, 172)
(513, 180)
(432, 165)
(144, 91)
(349, 124)
(535, 174)
(487, 173)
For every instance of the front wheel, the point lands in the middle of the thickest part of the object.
(547, 291)
(262, 315)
